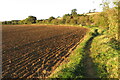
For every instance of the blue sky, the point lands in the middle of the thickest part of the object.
(43, 9)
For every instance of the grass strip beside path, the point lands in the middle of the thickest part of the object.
(79, 64)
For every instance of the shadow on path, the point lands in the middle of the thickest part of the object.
(86, 65)
(88, 62)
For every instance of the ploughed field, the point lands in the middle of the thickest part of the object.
(33, 51)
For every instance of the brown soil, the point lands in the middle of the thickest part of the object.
(36, 51)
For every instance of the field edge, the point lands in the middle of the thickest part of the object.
(72, 62)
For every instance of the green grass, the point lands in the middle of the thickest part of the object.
(105, 56)
(104, 53)
(75, 67)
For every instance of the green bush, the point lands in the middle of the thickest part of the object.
(105, 57)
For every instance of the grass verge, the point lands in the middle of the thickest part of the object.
(105, 56)
(74, 67)
(104, 52)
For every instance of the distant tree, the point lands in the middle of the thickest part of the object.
(38, 21)
(73, 21)
(66, 16)
(89, 11)
(94, 10)
(73, 12)
(7, 22)
(30, 20)
(50, 19)
(55, 21)
(82, 20)
(21, 22)
(63, 21)
(3, 23)
(67, 21)
(15, 22)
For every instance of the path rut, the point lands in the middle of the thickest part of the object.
(88, 62)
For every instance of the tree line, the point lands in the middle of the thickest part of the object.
(72, 19)
(107, 19)
(29, 20)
